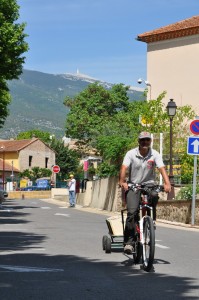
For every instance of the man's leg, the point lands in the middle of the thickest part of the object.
(73, 201)
(132, 208)
(70, 198)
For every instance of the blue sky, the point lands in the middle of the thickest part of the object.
(98, 37)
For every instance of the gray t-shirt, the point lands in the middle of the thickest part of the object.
(142, 169)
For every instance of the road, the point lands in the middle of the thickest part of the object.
(52, 252)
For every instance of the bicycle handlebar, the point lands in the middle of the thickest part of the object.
(146, 187)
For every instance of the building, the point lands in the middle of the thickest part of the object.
(173, 61)
(19, 155)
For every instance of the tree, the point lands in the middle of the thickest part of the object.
(42, 135)
(67, 159)
(110, 123)
(92, 108)
(5, 100)
(36, 173)
(12, 47)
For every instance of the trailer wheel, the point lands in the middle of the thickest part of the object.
(108, 246)
(104, 239)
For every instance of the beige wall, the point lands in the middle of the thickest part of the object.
(173, 65)
(12, 157)
(39, 152)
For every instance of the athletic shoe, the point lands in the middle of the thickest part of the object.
(128, 249)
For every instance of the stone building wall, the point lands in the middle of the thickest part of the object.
(39, 152)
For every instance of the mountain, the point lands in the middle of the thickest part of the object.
(37, 101)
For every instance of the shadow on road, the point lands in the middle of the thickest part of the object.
(67, 277)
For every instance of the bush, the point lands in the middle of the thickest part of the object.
(186, 193)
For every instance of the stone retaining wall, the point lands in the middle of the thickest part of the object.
(177, 211)
(29, 194)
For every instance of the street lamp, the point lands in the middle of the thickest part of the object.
(140, 80)
(3, 171)
(171, 111)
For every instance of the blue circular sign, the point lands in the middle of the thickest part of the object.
(194, 127)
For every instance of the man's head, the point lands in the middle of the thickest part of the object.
(144, 139)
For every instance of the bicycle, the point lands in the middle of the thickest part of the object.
(144, 224)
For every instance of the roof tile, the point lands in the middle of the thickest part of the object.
(183, 28)
(16, 145)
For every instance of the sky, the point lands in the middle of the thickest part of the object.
(96, 37)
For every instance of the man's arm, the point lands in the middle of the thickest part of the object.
(167, 185)
(122, 179)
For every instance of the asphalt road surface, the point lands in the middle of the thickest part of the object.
(49, 251)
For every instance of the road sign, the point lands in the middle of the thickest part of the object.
(56, 169)
(193, 145)
(194, 127)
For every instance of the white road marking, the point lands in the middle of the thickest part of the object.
(63, 207)
(161, 246)
(22, 251)
(65, 215)
(45, 207)
(29, 269)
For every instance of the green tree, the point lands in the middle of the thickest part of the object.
(42, 135)
(92, 108)
(110, 123)
(66, 159)
(36, 173)
(12, 47)
(5, 100)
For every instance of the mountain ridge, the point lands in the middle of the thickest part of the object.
(37, 101)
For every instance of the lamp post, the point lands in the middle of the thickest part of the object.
(171, 111)
(3, 171)
(140, 80)
(12, 175)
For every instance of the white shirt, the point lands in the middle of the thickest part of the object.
(142, 169)
(72, 185)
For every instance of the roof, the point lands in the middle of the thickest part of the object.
(183, 28)
(17, 145)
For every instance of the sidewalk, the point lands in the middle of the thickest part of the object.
(162, 223)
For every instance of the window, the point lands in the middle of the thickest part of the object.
(30, 161)
(46, 162)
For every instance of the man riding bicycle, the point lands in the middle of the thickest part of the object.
(141, 163)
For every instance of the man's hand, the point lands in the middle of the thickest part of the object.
(167, 187)
(124, 185)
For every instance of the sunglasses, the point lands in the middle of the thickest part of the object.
(146, 139)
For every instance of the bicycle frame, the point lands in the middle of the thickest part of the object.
(145, 243)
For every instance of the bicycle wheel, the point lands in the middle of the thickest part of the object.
(149, 244)
(138, 247)
(138, 252)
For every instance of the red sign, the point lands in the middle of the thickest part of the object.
(194, 127)
(56, 169)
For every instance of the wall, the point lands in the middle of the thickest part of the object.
(29, 194)
(60, 194)
(177, 211)
(39, 151)
(172, 66)
(105, 194)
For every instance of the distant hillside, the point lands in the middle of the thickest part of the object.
(37, 101)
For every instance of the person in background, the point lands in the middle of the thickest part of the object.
(72, 190)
